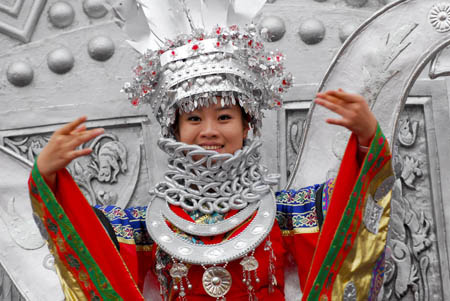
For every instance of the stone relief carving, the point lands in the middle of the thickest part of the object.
(295, 120)
(108, 160)
(27, 147)
(23, 232)
(407, 132)
(24, 12)
(97, 175)
(49, 262)
(8, 290)
(407, 267)
(439, 17)
(12, 8)
(410, 171)
(295, 134)
(379, 68)
(412, 259)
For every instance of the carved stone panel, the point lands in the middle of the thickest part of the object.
(414, 261)
(113, 174)
(294, 130)
(18, 18)
(416, 257)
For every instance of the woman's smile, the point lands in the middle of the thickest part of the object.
(216, 127)
(212, 147)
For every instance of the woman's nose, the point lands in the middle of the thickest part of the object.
(209, 129)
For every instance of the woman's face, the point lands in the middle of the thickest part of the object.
(217, 128)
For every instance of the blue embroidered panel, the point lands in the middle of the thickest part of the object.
(128, 224)
(296, 210)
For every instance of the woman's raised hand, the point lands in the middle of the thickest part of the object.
(61, 148)
(355, 113)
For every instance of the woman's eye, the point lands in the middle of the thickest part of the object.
(194, 118)
(224, 117)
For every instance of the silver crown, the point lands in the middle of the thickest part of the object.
(193, 69)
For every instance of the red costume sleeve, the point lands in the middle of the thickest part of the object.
(87, 261)
(325, 257)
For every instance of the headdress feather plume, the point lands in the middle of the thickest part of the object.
(150, 22)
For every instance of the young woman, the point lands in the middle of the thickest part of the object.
(213, 228)
(222, 129)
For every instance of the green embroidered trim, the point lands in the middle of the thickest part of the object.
(339, 240)
(75, 242)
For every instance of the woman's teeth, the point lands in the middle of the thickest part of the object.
(212, 147)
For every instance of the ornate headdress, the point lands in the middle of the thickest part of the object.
(196, 50)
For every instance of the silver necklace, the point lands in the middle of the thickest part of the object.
(209, 182)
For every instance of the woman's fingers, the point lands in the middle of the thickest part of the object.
(79, 153)
(337, 108)
(344, 96)
(340, 122)
(79, 138)
(69, 127)
(330, 98)
(81, 128)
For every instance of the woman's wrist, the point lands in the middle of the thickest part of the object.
(49, 178)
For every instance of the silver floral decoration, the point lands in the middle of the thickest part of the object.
(440, 17)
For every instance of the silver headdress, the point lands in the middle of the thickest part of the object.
(196, 50)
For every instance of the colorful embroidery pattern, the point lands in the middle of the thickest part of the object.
(296, 210)
(201, 218)
(326, 195)
(377, 278)
(128, 224)
(68, 260)
(70, 247)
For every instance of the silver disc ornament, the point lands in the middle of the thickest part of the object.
(216, 281)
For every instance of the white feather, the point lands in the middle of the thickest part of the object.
(135, 25)
(242, 12)
(166, 18)
(148, 23)
(214, 12)
(195, 12)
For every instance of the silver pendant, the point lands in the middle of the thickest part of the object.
(178, 270)
(216, 281)
(249, 263)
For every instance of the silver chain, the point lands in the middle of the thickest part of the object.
(199, 179)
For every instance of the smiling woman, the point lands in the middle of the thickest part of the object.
(213, 228)
(219, 128)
